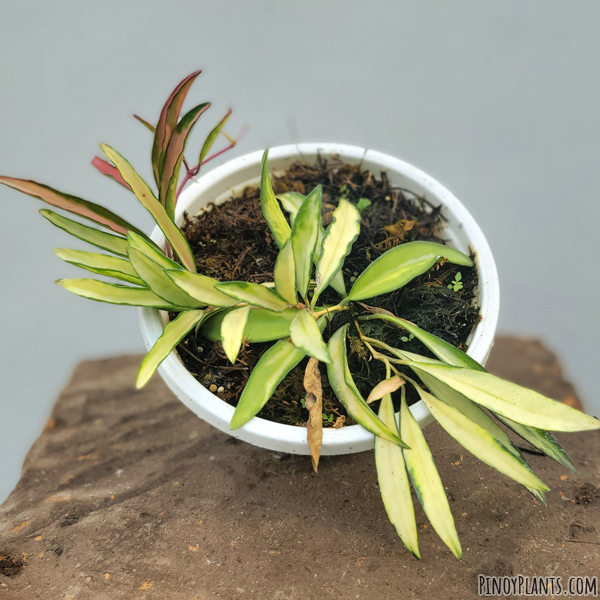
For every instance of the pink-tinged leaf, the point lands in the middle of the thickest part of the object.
(212, 136)
(387, 386)
(174, 157)
(167, 123)
(145, 123)
(109, 170)
(73, 204)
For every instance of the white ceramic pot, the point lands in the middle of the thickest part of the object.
(218, 185)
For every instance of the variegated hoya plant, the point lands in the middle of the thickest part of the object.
(466, 401)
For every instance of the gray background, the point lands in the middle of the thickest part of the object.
(498, 100)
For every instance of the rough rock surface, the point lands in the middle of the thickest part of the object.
(127, 495)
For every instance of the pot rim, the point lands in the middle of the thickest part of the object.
(218, 185)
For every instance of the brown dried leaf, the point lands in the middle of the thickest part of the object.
(314, 405)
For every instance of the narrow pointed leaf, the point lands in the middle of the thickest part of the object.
(253, 293)
(144, 194)
(145, 123)
(106, 241)
(443, 350)
(212, 136)
(172, 334)
(270, 207)
(110, 171)
(268, 373)
(115, 294)
(393, 482)
(426, 480)
(479, 442)
(151, 251)
(232, 331)
(110, 266)
(347, 393)
(173, 158)
(285, 274)
(337, 243)
(291, 202)
(201, 288)
(509, 399)
(306, 335)
(402, 264)
(262, 326)
(542, 440)
(167, 123)
(304, 238)
(72, 204)
(158, 281)
(387, 386)
(482, 418)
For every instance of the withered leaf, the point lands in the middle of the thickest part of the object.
(314, 405)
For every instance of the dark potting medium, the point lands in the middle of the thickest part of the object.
(232, 242)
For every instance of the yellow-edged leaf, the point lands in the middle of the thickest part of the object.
(232, 331)
(306, 335)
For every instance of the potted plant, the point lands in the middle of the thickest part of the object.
(312, 313)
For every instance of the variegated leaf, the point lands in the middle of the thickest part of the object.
(402, 264)
(306, 335)
(253, 293)
(232, 331)
(107, 241)
(171, 336)
(285, 274)
(211, 137)
(387, 386)
(102, 264)
(337, 243)
(201, 288)
(144, 194)
(270, 207)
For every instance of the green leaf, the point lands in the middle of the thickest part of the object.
(144, 194)
(268, 373)
(172, 334)
(173, 157)
(509, 399)
(306, 335)
(363, 204)
(426, 480)
(253, 293)
(232, 331)
(212, 136)
(542, 440)
(393, 482)
(343, 385)
(106, 241)
(115, 294)
(285, 274)
(337, 243)
(200, 287)
(94, 212)
(291, 202)
(109, 266)
(479, 442)
(262, 326)
(151, 251)
(156, 279)
(402, 264)
(304, 238)
(167, 123)
(443, 350)
(270, 207)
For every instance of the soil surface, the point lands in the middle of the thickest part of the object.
(127, 495)
(233, 242)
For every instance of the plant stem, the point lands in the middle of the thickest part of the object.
(336, 308)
